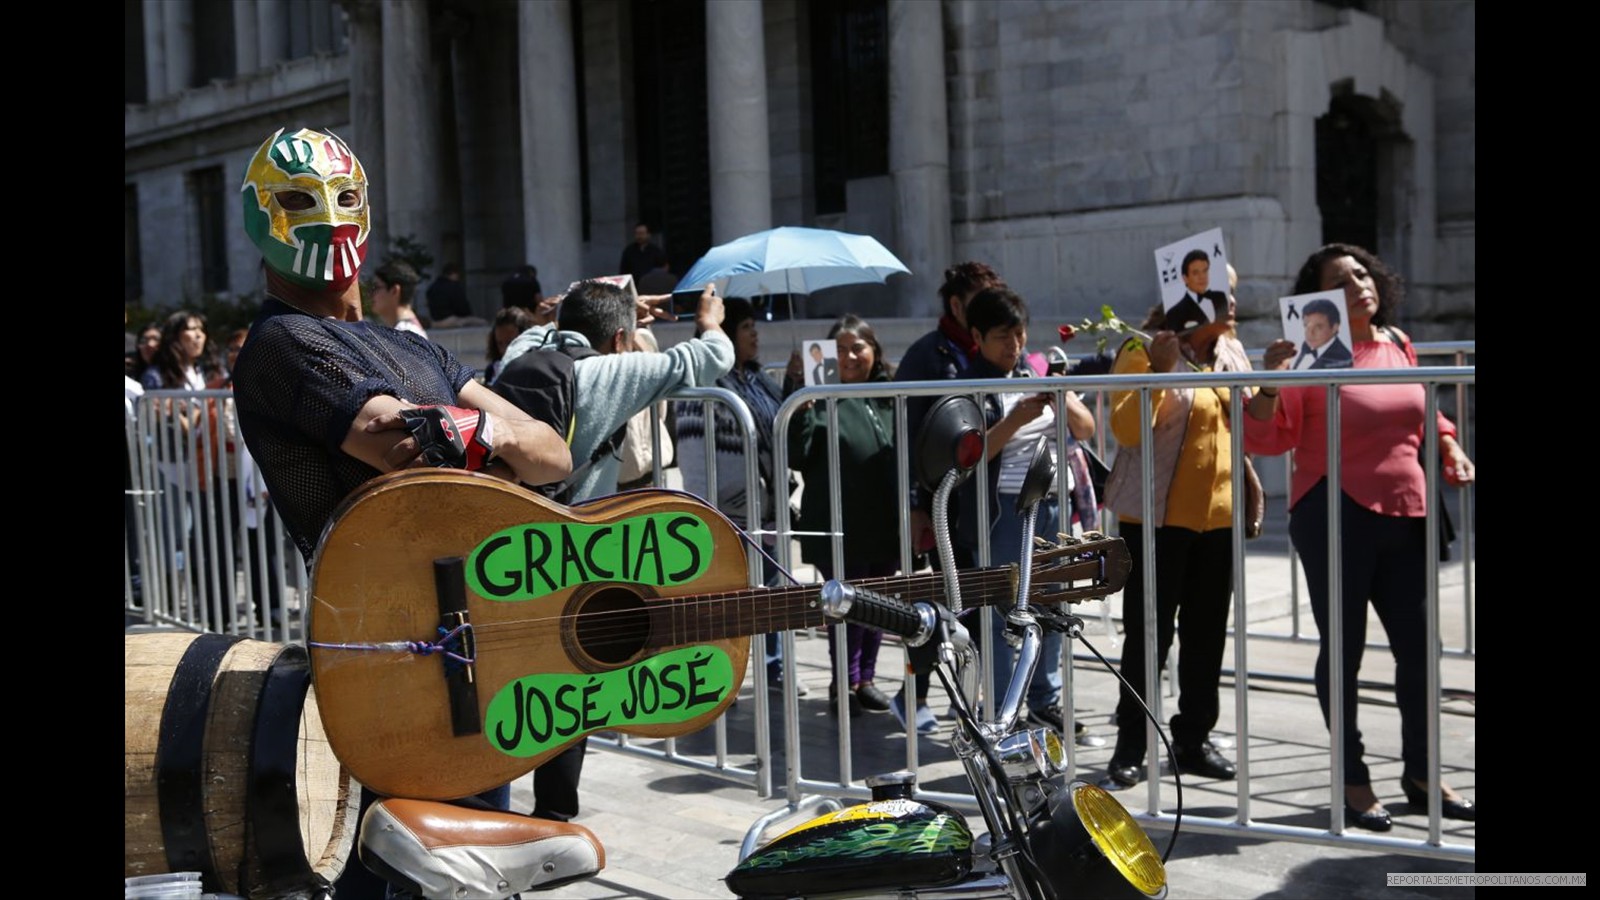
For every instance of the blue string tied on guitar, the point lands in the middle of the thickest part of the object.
(450, 643)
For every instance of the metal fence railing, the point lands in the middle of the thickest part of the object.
(805, 792)
(204, 552)
(759, 776)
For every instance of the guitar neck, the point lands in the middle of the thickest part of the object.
(721, 616)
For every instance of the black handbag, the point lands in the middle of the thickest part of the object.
(1447, 525)
(1098, 472)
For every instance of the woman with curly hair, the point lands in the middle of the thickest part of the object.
(1384, 503)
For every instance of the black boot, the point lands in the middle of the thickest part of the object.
(1126, 768)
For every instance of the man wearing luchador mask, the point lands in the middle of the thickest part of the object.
(327, 401)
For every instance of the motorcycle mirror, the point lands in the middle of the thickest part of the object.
(951, 438)
(1040, 478)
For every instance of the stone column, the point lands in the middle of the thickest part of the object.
(178, 28)
(551, 205)
(611, 152)
(365, 21)
(411, 127)
(246, 47)
(736, 100)
(919, 152)
(155, 50)
(272, 32)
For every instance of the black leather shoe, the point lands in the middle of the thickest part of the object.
(1463, 809)
(1124, 774)
(1204, 761)
(853, 701)
(1375, 820)
(872, 699)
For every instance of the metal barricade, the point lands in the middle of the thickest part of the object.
(796, 783)
(805, 793)
(760, 776)
(203, 549)
(1454, 353)
(190, 544)
(1430, 377)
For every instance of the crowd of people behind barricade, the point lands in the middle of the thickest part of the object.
(371, 396)
(1193, 478)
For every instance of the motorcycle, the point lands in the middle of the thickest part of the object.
(1047, 837)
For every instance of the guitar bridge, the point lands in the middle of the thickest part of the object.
(450, 584)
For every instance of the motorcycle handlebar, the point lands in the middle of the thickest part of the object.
(914, 622)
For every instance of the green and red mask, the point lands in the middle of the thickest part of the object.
(305, 208)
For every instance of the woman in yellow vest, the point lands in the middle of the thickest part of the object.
(1192, 499)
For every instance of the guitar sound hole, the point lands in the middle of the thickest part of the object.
(613, 625)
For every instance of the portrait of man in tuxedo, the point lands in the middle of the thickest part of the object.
(1199, 304)
(823, 369)
(1322, 347)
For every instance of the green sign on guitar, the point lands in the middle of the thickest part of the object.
(536, 713)
(529, 561)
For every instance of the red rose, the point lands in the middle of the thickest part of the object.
(1066, 332)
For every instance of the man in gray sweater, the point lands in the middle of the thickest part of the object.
(611, 386)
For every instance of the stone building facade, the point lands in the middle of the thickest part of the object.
(1061, 141)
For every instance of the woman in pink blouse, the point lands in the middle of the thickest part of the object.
(1384, 503)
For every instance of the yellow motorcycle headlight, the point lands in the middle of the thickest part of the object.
(1120, 838)
(1053, 751)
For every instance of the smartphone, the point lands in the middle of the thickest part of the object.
(687, 303)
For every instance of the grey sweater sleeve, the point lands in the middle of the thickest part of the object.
(612, 387)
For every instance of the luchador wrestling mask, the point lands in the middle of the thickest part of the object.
(305, 207)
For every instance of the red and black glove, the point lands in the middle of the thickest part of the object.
(451, 437)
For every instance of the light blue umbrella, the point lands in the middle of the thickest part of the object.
(792, 260)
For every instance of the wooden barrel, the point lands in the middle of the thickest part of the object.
(228, 771)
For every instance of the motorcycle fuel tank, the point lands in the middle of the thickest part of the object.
(882, 844)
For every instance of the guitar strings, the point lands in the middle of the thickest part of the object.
(683, 626)
(686, 622)
(684, 611)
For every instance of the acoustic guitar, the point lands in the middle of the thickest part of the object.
(463, 630)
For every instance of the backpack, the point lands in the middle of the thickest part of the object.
(541, 383)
